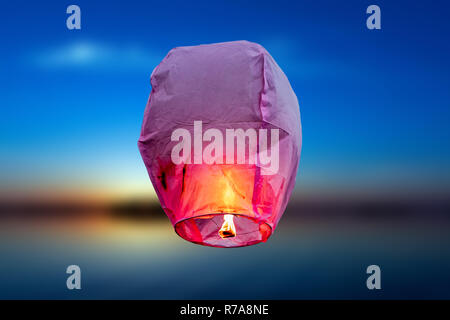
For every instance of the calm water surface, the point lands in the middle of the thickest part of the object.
(317, 259)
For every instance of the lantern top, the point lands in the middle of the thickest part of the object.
(227, 82)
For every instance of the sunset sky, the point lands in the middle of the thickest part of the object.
(374, 104)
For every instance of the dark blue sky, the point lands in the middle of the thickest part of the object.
(375, 105)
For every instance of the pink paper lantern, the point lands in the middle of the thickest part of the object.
(221, 140)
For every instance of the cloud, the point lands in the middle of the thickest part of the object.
(293, 58)
(94, 56)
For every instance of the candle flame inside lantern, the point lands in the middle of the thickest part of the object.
(228, 229)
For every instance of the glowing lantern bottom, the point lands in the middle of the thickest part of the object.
(220, 205)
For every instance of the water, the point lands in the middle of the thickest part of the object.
(304, 259)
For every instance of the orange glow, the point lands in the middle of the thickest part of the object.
(228, 229)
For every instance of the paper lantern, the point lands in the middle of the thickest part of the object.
(221, 141)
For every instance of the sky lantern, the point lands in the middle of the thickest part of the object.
(221, 141)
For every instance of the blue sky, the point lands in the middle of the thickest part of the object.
(375, 105)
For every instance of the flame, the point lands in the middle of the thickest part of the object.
(228, 229)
